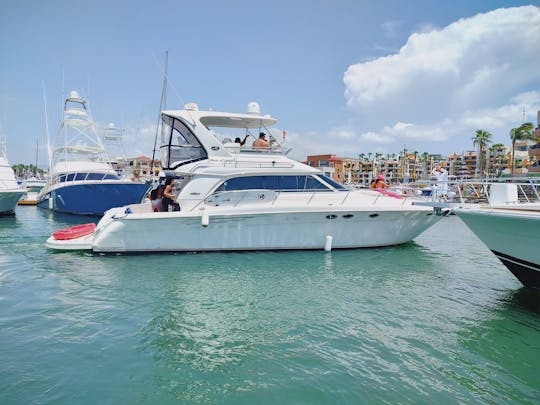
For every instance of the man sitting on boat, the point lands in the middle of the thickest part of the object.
(261, 142)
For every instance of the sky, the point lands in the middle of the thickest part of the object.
(343, 77)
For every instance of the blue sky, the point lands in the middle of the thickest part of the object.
(342, 77)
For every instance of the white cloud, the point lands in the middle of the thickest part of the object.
(378, 138)
(477, 72)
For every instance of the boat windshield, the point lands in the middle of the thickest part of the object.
(333, 183)
(178, 144)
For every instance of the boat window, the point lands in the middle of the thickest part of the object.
(278, 183)
(70, 177)
(178, 144)
(80, 176)
(94, 176)
(61, 179)
(333, 183)
(111, 177)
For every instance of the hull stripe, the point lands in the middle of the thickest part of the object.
(515, 260)
(526, 272)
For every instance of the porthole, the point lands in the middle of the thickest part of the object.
(373, 215)
(347, 216)
(331, 216)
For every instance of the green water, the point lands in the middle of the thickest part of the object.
(438, 320)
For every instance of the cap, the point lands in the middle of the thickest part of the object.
(380, 177)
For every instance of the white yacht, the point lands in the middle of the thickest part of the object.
(81, 178)
(236, 197)
(509, 228)
(10, 190)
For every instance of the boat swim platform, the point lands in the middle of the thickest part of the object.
(27, 202)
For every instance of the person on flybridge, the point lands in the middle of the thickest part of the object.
(261, 142)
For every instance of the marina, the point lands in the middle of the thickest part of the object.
(439, 319)
(171, 241)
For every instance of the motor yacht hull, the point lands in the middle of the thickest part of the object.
(119, 232)
(512, 235)
(92, 198)
(8, 201)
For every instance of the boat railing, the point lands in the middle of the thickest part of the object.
(271, 197)
(256, 165)
(472, 190)
(247, 164)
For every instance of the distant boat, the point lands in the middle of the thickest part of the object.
(81, 178)
(509, 228)
(32, 187)
(10, 190)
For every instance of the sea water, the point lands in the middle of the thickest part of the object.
(437, 320)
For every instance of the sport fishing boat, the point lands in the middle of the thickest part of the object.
(10, 190)
(81, 178)
(236, 197)
(509, 228)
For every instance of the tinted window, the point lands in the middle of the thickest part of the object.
(94, 176)
(111, 177)
(279, 183)
(80, 176)
(70, 177)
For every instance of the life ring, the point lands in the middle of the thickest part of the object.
(74, 232)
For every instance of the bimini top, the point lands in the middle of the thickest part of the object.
(218, 119)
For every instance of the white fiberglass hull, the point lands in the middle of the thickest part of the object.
(258, 230)
(8, 200)
(512, 235)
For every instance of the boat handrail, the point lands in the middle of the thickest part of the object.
(244, 164)
(272, 196)
(471, 190)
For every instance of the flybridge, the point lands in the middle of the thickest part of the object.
(184, 141)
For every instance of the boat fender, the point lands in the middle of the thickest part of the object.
(205, 219)
(328, 243)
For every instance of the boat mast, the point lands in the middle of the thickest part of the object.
(37, 149)
(162, 105)
(49, 152)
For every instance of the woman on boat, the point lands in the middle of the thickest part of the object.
(379, 182)
(169, 196)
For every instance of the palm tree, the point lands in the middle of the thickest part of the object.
(521, 133)
(481, 138)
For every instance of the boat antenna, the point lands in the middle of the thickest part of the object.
(37, 149)
(49, 153)
(162, 105)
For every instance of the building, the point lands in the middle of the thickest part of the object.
(534, 150)
(141, 167)
(342, 170)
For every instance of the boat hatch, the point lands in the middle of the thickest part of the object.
(178, 144)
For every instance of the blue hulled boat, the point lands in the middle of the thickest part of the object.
(81, 178)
